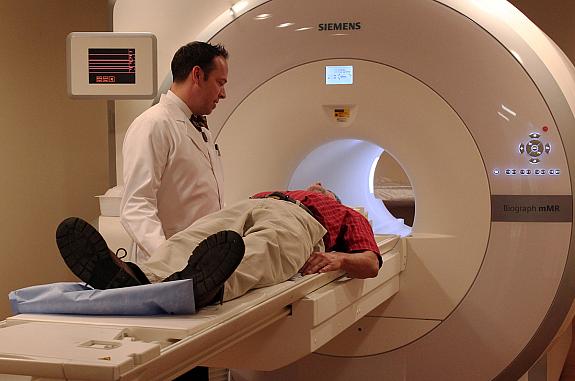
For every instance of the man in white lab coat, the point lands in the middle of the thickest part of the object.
(172, 170)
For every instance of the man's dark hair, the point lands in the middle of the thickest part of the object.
(195, 53)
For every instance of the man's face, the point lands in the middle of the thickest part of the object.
(213, 89)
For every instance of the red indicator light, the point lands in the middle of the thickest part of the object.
(545, 128)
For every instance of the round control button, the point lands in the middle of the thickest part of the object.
(534, 148)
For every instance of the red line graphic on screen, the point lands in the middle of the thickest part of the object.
(112, 65)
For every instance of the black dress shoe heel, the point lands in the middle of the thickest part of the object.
(211, 264)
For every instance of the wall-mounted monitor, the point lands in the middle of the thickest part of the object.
(111, 65)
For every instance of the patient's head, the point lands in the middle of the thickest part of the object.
(317, 187)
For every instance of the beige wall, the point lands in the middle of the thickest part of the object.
(554, 17)
(53, 150)
(389, 172)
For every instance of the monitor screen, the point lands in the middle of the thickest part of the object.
(111, 65)
(339, 75)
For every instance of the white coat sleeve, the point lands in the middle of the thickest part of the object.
(146, 149)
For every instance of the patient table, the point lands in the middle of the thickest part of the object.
(302, 315)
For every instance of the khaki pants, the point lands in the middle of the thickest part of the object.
(279, 237)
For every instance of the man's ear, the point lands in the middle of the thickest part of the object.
(196, 73)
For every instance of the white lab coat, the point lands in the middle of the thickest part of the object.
(172, 176)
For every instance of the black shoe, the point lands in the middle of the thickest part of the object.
(85, 252)
(211, 264)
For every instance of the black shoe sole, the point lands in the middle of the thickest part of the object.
(86, 253)
(211, 264)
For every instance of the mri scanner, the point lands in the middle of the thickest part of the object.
(475, 103)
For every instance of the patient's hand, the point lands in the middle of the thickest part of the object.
(356, 265)
(320, 262)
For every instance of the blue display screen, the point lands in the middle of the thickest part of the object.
(339, 75)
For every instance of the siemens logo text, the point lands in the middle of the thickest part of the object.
(339, 26)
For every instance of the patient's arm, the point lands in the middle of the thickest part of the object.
(356, 265)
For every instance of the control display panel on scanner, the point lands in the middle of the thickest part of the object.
(339, 75)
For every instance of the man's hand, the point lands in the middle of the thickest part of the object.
(356, 265)
(320, 262)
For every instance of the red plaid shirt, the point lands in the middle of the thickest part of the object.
(347, 230)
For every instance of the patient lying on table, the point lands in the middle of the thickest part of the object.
(258, 242)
